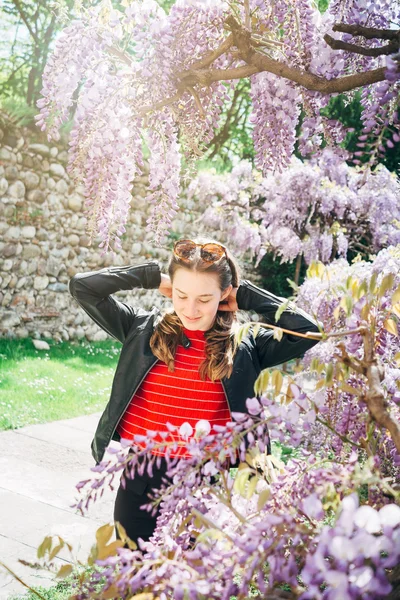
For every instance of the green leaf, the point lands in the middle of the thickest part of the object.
(281, 308)
(56, 550)
(44, 546)
(277, 380)
(64, 571)
(329, 373)
(261, 383)
(104, 533)
(278, 334)
(396, 296)
(242, 331)
(372, 283)
(263, 498)
(387, 283)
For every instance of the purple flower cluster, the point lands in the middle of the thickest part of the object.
(319, 209)
(276, 109)
(127, 68)
(350, 558)
(344, 410)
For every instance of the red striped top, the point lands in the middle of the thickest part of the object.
(180, 398)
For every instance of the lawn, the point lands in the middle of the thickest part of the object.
(68, 380)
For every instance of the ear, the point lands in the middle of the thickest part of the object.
(227, 292)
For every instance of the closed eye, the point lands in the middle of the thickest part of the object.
(202, 301)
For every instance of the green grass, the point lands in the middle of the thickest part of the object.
(69, 380)
(63, 589)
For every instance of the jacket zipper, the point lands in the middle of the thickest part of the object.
(227, 401)
(130, 398)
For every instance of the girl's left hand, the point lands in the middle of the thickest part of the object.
(229, 304)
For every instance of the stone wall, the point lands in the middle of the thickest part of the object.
(43, 243)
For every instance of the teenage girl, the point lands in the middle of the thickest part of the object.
(181, 365)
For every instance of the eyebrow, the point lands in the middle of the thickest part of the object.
(201, 295)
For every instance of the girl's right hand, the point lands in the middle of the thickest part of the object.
(165, 287)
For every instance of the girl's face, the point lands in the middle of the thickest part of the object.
(196, 297)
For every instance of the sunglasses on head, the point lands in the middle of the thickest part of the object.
(211, 252)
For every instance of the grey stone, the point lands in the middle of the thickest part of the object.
(51, 184)
(22, 282)
(28, 231)
(58, 170)
(7, 264)
(42, 266)
(16, 190)
(41, 234)
(40, 282)
(5, 154)
(41, 149)
(75, 202)
(53, 266)
(3, 186)
(80, 333)
(21, 332)
(61, 186)
(56, 202)
(53, 151)
(6, 299)
(63, 156)
(6, 280)
(9, 318)
(58, 287)
(41, 345)
(13, 282)
(13, 233)
(37, 196)
(11, 173)
(9, 250)
(31, 251)
(100, 336)
(73, 239)
(31, 180)
(27, 160)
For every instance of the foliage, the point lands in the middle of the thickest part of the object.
(136, 73)
(275, 275)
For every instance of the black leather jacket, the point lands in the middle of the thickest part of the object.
(134, 326)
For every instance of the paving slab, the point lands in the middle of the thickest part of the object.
(40, 466)
(9, 586)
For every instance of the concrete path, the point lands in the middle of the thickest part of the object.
(39, 468)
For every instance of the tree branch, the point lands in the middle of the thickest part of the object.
(374, 397)
(25, 20)
(209, 59)
(307, 80)
(368, 32)
(390, 48)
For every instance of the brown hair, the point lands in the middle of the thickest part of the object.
(220, 345)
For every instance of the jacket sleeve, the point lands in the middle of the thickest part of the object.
(93, 292)
(273, 352)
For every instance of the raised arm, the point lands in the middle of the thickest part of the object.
(93, 292)
(272, 351)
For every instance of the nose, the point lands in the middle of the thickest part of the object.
(191, 310)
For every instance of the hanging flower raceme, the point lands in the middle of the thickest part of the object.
(137, 75)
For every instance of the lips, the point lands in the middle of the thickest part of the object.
(196, 319)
